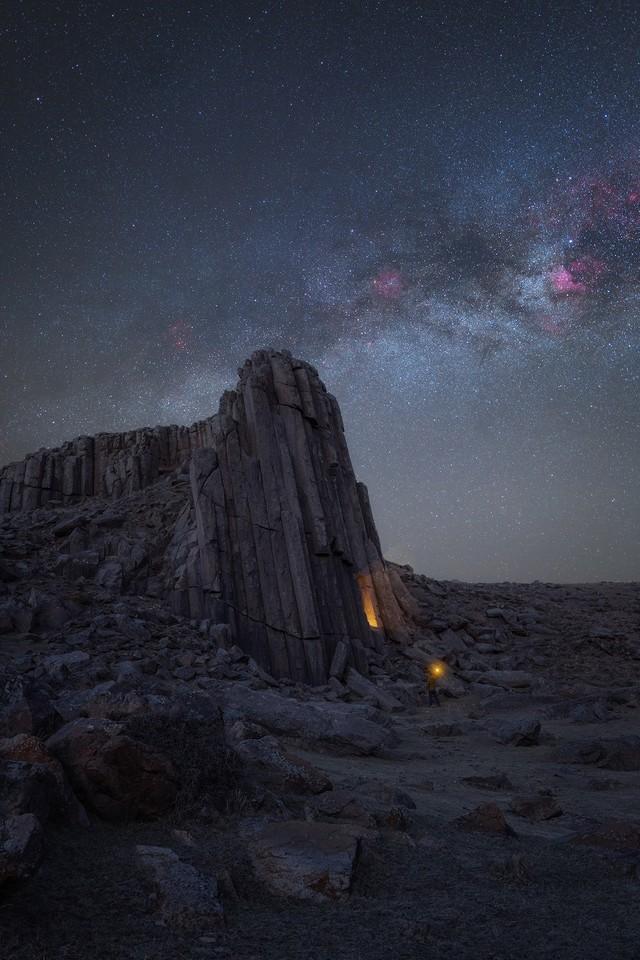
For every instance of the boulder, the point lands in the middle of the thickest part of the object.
(307, 861)
(451, 686)
(350, 728)
(443, 730)
(118, 777)
(520, 733)
(614, 834)
(59, 665)
(185, 898)
(27, 788)
(451, 642)
(620, 753)
(45, 775)
(373, 805)
(279, 769)
(536, 808)
(499, 781)
(486, 818)
(110, 576)
(365, 688)
(68, 524)
(592, 710)
(15, 712)
(21, 846)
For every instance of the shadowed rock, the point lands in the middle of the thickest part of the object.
(21, 846)
(120, 778)
(308, 861)
(185, 898)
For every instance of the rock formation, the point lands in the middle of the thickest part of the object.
(277, 538)
(287, 550)
(108, 465)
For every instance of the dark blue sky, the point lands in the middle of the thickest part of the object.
(436, 203)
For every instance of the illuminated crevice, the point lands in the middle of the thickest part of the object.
(367, 595)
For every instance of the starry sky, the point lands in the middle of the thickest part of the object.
(435, 202)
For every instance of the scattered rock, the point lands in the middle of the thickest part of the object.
(486, 818)
(443, 730)
(306, 860)
(520, 733)
(621, 753)
(499, 781)
(279, 768)
(68, 525)
(364, 688)
(536, 808)
(185, 898)
(373, 805)
(60, 665)
(21, 846)
(15, 712)
(27, 788)
(615, 835)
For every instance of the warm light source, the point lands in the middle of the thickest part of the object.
(436, 668)
(368, 599)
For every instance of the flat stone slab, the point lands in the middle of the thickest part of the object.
(185, 898)
(348, 727)
(308, 861)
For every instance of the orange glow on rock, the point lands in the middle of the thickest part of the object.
(368, 600)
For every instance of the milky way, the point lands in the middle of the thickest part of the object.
(438, 206)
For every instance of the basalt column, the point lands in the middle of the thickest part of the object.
(287, 548)
(108, 465)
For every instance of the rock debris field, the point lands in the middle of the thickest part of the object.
(198, 759)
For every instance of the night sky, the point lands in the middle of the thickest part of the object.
(436, 203)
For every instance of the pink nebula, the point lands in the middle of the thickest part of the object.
(179, 335)
(389, 284)
(588, 270)
(562, 281)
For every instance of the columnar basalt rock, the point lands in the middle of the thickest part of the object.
(276, 539)
(285, 547)
(108, 465)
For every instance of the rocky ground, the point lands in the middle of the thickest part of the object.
(163, 797)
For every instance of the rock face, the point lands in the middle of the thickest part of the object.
(276, 538)
(280, 540)
(108, 465)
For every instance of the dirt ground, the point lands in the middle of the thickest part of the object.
(433, 891)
